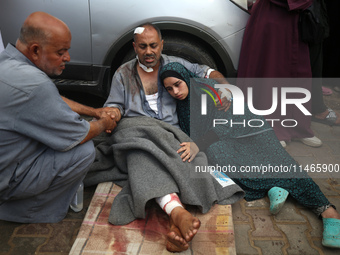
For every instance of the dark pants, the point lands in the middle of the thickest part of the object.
(316, 60)
(331, 59)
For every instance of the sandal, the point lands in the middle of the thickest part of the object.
(326, 91)
(277, 197)
(330, 119)
(331, 233)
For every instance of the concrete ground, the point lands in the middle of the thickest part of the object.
(294, 230)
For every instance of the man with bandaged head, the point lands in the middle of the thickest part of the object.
(137, 91)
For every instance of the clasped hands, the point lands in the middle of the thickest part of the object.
(110, 116)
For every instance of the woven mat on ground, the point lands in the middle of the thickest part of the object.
(148, 236)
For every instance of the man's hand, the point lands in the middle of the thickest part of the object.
(113, 112)
(93, 112)
(189, 151)
(108, 120)
(104, 123)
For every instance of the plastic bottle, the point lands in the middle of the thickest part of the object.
(77, 201)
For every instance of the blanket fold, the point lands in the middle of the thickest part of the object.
(142, 153)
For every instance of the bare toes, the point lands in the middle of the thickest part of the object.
(173, 248)
(175, 242)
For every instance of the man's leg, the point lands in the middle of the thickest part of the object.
(45, 197)
(183, 225)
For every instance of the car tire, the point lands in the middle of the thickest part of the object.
(190, 50)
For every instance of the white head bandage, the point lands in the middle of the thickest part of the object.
(139, 30)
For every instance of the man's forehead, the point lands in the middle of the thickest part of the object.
(147, 37)
(147, 42)
(61, 42)
(147, 30)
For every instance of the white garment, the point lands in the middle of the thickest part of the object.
(152, 100)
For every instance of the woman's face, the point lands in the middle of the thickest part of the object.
(176, 87)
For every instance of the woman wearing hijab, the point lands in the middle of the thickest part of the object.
(239, 146)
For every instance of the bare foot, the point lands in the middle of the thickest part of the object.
(185, 222)
(176, 242)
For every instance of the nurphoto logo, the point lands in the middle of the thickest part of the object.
(238, 102)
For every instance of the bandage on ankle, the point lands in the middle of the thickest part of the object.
(169, 202)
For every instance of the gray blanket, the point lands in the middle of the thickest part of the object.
(141, 157)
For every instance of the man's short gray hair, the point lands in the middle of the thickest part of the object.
(29, 34)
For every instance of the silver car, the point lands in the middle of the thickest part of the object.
(201, 31)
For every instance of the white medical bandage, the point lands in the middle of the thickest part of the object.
(169, 202)
(226, 93)
(145, 68)
(139, 30)
(209, 72)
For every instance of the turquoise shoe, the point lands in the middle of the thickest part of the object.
(331, 233)
(277, 197)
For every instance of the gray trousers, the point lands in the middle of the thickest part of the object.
(45, 193)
